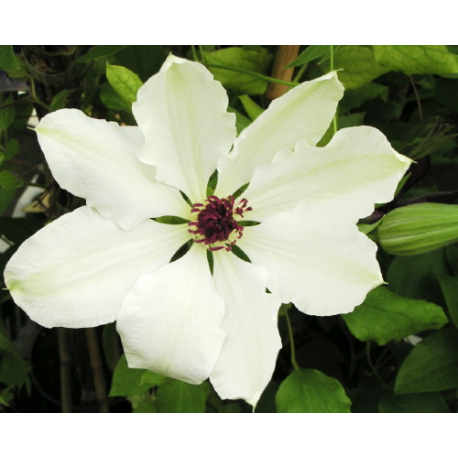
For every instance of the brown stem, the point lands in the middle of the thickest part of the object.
(284, 56)
(97, 369)
(65, 370)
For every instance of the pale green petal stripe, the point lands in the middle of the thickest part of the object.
(357, 169)
(316, 259)
(303, 113)
(97, 160)
(182, 112)
(250, 350)
(76, 271)
(170, 322)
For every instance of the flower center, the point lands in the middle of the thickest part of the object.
(215, 224)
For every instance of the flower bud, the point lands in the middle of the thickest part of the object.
(418, 228)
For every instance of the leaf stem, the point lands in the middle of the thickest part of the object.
(256, 75)
(371, 365)
(194, 53)
(417, 98)
(331, 63)
(291, 340)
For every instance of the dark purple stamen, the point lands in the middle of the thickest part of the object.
(215, 222)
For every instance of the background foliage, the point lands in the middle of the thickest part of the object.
(397, 352)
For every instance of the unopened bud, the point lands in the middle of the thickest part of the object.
(418, 228)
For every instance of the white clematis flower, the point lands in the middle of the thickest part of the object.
(110, 260)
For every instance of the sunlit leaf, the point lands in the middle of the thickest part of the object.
(385, 316)
(180, 397)
(417, 59)
(125, 82)
(311, 391)
(240, 59)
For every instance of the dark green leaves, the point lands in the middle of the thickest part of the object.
(9, 180)
(385, 316)
(311, 391)
(100, 51)
(358, 66)
(311, 53)
(7, 58)
(432, 365)
(413, 403)
(449, 287)
(241, 61)
(175, 396)
(128, 382)
(417, 59)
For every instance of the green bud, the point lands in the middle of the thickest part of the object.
(418, 228)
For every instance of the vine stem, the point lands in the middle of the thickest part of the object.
(371, 365)
(417, 98)
(63, 336)
(284, 56)
(256, 75)
(291, 340)
(97, 369)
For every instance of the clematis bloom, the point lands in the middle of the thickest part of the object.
(111, 260)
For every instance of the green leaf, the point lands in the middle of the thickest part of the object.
(358, 66)
(13, 369)
(416, 276)
(451, 253)
(413, 403)
(385, 316)
(417, 59)
(432, 365)
(59, 100)
(252, 109)
(113, 101)
(241, 122)
(175, 396)
(6, 196)
(311, 391)
(11, 150)
(9, 181)
(311, 53)
(100, 51)
(354, 98)
(126, 381)
(144, 60)
(239, 58)
(7, 114)
(449, 287)
(419, 228)
(7, 58)
(125, 82)
(153, 379)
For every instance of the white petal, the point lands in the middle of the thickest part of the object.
(76, 271)
(96, 160)
(250, 350)
(316, 257)
(183, 113)
(303, 113)
(357, 169)
(170, 322)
